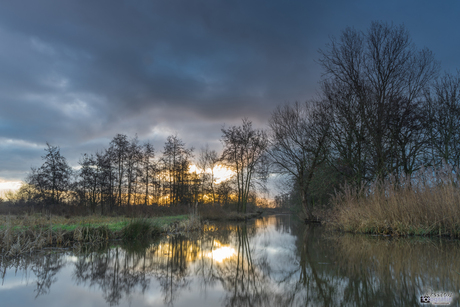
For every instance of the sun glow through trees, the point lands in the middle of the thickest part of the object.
(9, 186)
(221, 172)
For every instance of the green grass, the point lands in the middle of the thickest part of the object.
(115, 225)
(140, 229)
(37, 231)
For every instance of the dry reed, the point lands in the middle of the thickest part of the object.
(428, 203)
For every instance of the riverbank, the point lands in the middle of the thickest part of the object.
(426, 205)
(219, 213)
(27, 233)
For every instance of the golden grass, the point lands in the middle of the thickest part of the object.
(426, 204)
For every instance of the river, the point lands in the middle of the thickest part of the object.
(271, 261)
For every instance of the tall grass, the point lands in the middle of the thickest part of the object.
(428, 203)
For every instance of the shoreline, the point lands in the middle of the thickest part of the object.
(28, 234)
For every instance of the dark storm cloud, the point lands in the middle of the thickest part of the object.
(75, 73)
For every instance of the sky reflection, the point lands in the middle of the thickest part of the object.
(273, 261)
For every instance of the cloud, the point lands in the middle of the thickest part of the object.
(76, 73)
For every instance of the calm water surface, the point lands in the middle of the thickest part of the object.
(274, 261)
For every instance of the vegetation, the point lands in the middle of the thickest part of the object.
(208, 160)
(26, 233)
(128, 174)
(244, 151)
(425, 204)
(298, 144)
(228, 213)
(384, 116)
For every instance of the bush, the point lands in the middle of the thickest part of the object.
(140, 229)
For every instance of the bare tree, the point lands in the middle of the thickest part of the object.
(89, 183)
(298, 145)
(379, 75)
(53, 177)
(149, 169)
(107, 180)
(208, 159)
(118, 151)
(443, 103)
(133, 157)
(244, 150)
(176, 159)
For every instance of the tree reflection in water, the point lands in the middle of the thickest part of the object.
(241, 277)
(44, 268)
(269, 262)
(114, 271)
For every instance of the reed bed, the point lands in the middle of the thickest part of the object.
(29, 233)
(428, 203)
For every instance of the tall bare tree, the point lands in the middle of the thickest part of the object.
(89, 184)
(133, 158)
(244, 151)
(149, 169)
(176, 159)
(298, 145)
(443, 103)
(118, 151)
(53, 177)
(208, 159)
(380, 76)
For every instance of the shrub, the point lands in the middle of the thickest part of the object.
(140, 229)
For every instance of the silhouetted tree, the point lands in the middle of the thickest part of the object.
(244, 151)
(89, 184)
(208, 159)
(176, 161)
(149, 168)
(299, 145)
(133, 159)
(374, 83)
(443, 104)
(52, 179)
(118, 152)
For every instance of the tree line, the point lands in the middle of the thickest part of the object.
(130, 173)
(384, 109)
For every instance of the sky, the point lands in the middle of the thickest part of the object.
(76, 73)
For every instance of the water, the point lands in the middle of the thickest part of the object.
(275, 261)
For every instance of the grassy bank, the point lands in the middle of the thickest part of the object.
(27, 233)
(427, 204)
(227, 213)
